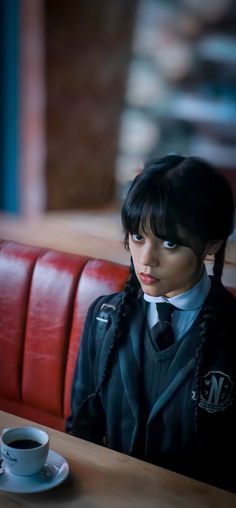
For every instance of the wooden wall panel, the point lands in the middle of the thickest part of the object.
(87, 53)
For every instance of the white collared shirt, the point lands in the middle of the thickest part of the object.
(189, 301)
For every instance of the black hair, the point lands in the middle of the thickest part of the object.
(187, 201)
(182, 199)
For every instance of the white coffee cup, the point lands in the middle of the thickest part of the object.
(24, 449)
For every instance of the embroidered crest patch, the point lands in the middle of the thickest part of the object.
(215, 391)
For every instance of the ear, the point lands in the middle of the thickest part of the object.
(213, 247)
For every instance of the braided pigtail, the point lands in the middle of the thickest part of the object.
(208, 314)
(219, 264)
(124, 309)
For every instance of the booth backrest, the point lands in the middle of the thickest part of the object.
(44, 298)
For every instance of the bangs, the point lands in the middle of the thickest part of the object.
(154, 210)
(179, 199)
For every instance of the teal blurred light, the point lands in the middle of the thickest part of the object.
(9, 105)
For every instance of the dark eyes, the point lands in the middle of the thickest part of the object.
(168, 244)
(137, 238)
(165, 244)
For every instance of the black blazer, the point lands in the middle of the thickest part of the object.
(192, 425)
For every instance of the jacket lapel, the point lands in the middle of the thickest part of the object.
(130, 368)
(172, 388)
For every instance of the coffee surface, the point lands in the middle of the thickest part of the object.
(24, 443)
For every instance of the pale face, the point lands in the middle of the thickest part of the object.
(162, 267)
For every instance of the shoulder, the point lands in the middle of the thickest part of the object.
(101, 320)
(113, 300)
(107, 304)
(107, 309)
(92, 325)
(226, 300)
(224, 304)
(222, 298)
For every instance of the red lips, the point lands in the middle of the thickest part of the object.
(148, 279)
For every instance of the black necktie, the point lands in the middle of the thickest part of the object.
(162, 331)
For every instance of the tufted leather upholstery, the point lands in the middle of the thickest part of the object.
(44, 298)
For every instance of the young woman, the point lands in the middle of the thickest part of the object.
(163, 389)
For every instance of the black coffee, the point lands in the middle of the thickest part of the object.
(24, 443)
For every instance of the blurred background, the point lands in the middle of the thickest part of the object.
(91, 89)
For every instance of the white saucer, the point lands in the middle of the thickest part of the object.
(53, 473)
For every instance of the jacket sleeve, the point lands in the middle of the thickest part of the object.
(87, 416)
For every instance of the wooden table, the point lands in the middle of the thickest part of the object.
(102, 478)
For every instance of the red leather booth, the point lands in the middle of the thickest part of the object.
(44, 298)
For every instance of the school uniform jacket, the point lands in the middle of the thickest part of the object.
(170, 433)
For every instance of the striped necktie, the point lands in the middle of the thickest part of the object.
(162, 331)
